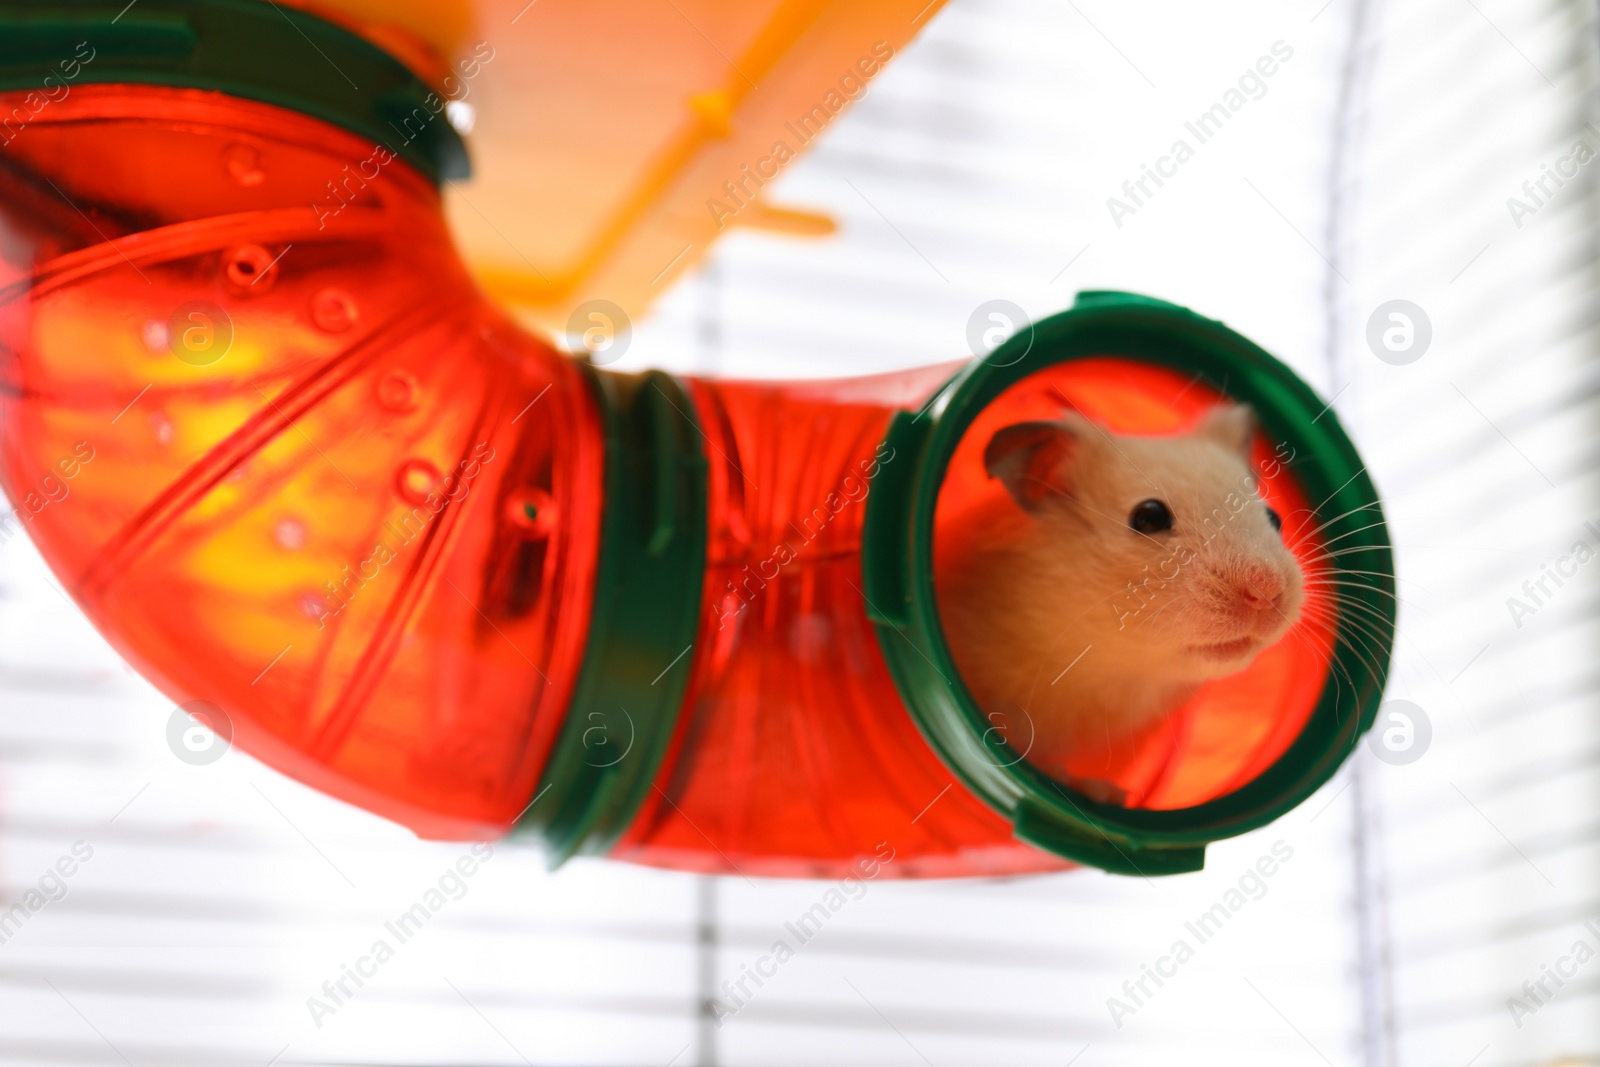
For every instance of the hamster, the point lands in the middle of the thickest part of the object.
(1116, 576)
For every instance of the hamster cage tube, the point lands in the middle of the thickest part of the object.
(289, 460)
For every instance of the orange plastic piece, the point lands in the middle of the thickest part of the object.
(615, 141)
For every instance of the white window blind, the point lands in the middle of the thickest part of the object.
(1484, 850)
(219, 899)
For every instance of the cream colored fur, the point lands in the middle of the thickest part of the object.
(1054, 605)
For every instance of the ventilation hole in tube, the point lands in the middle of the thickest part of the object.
(290, 534)
(397, 391)
(532, 511)
(333, 310)
(313, 606)
(415, 480)
(251, 269)
(243, 163)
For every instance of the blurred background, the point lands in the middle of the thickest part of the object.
(1396, 154)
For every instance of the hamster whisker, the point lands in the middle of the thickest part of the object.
(1380, 575)
(1338, 563)
(1352, 579)
(1361, 618)
(1171, 600)
(1365, 639)
(1349, 588)
(1371, 656)
(1344, 550)
(1343, 595)
(1333, 520)
(1324, 525)
(1308, 539)
(1367, 649)
(1337, 672)
(1120, 522)
(1284, 617)
(1085, 507)
(1331, 561)
(1337, 491)
(1301, 634)
(1331, 547)
(1340, 671)
(1334, 541)
(1375, 580)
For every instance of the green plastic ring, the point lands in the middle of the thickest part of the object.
(245, 48)
(646, 607)
(897, 568)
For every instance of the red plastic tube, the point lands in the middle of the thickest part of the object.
(280, 454)
(294, 466)
(796, 754)
(796, 748)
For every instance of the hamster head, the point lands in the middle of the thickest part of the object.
(1158, 550)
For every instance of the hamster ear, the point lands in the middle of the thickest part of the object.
(1231, 425)
(1034, 460)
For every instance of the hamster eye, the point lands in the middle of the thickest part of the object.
(1276, 520)
(1150, 516)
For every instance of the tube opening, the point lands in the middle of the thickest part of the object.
(1130, 579)
(1132, 509)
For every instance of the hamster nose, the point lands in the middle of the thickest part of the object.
(1261, 588)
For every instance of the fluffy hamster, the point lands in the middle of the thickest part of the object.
(1117, 575)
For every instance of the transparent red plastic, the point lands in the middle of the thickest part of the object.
(261, 422)
(796, 753)
(291, 462)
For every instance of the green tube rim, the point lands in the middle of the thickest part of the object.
(645, 612)
(897, 565)
(245, 48)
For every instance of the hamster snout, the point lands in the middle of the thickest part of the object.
(1260, 587)
(1256, 593)
(1255, 599)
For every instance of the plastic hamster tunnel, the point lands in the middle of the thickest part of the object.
(292, 463)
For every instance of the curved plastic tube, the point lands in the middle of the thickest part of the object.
(296, 468)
